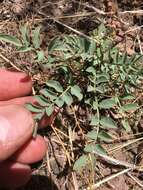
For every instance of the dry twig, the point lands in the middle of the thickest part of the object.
(8, 61)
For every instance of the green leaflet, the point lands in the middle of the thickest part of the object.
(10, 39)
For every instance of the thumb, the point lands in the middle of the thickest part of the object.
(16, 126)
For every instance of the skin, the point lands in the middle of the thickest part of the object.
(17, 147)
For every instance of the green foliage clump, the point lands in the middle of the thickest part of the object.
(96, 77)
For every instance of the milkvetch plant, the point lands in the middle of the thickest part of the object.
(96, 78)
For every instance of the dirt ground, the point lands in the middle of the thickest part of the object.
(125, 17)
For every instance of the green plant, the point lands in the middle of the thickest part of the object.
(96, 78)
(29, 41)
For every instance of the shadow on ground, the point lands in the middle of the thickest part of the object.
(39, 182)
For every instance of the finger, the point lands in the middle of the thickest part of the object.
(19, 101)
(33, 151)
(14, 84)
(13, 174)
(45, 120)
(48, 120)
(16, 127)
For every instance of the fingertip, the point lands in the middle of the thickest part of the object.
(33, 151)
(48, 120)
(14, 84)
(19, 101)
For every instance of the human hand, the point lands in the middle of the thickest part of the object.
(17, 147)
